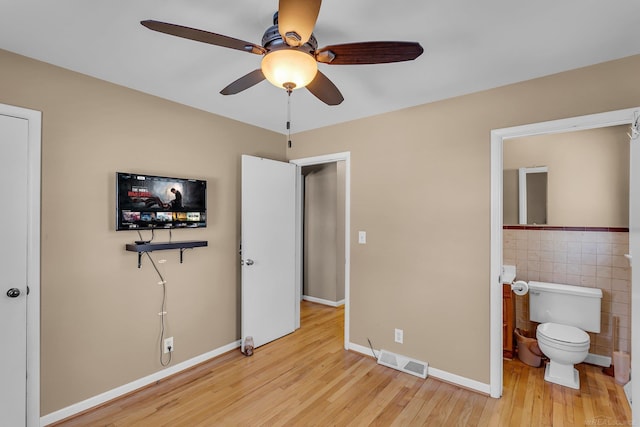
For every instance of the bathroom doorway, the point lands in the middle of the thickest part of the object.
(615, 118)
(580, 235)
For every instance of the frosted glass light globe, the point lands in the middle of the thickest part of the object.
(285, 66)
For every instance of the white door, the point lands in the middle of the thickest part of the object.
(268, 249)
(634, 250)
(13, 265)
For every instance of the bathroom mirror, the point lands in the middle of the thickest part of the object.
(532, 195)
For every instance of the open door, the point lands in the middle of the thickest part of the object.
(633, 389)
(13, 263)
(268, 249)
(20, 139)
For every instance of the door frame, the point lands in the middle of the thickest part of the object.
(592, 121)
(318, 160)
(34, 119)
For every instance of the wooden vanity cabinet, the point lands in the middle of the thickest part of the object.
(508, 322)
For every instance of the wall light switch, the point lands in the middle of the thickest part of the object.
(362, 237)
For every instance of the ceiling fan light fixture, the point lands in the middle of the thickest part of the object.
(289, 68)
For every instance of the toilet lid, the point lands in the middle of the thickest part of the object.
(563, 333)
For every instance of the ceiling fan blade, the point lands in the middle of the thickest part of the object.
(296, 19)
(369, 53)
(324, 89)
(203, 36)
(244, 82)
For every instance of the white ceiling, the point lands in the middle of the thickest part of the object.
(469, 46)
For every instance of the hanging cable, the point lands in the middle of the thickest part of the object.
(375, 356)
(163, 312)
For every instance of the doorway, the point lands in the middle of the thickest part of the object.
(323, 233)
(20, 138)
(345, 159)
(576, 232)
(614, 118)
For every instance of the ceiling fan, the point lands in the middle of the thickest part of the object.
(290, 51)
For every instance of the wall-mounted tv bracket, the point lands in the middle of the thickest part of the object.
(141, 248)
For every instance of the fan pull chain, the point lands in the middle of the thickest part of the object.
(289, 117)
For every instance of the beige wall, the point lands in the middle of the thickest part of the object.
(588, 178)
(100, 324)
(510, 191)
(420, 187)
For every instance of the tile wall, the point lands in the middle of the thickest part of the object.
(576, 256)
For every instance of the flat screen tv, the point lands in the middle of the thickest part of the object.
(146, 202)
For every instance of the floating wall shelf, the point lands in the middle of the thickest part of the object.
(141, 248)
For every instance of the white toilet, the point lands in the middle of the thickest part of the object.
(564, 312)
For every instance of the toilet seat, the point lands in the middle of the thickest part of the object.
(566, 335)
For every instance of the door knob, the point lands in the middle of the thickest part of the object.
(249, 262)
(13, 293)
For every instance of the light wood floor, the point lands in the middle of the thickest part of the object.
(307, 378)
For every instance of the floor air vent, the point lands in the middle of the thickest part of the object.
(403, 363)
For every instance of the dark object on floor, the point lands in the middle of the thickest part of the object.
(609, 371)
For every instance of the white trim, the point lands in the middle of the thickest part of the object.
(495, 284)
(318, 160)
(299, 244)
(34, 119)
(76, 408)
(435, 373)
(330, 158)
(459, 380)
(634, 251)
(323, 301)
(598, 360)
(592, 121)
(361, 349)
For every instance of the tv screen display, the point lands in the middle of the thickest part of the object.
(148, 202)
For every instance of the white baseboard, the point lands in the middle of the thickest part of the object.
(460, 381)
(76, 408)
(323, 301)
(436, 373)
(627, 391)
(598, 360)
(362, 350)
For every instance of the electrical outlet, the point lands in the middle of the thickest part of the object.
(399, 336)
(168, 345)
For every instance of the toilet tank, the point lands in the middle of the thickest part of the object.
(565, 304)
